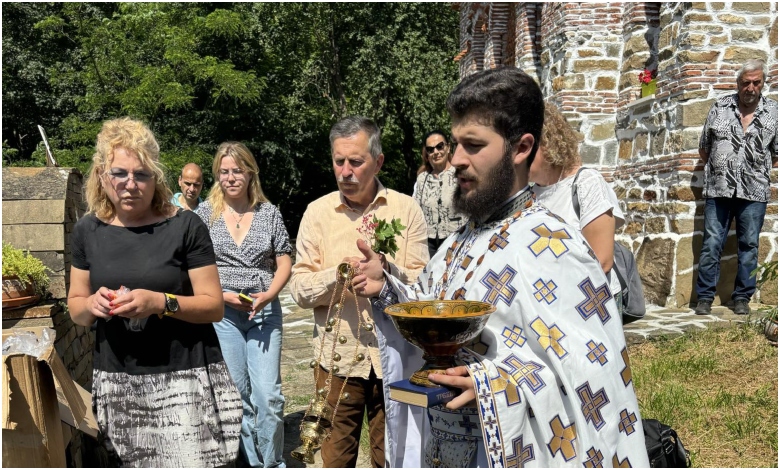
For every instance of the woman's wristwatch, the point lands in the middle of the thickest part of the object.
(171, 305)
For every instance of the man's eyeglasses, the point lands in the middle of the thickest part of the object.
(440, 146)
(119, 175)
(237, 172)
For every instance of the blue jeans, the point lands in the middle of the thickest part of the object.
(718, 213)
(253, 350)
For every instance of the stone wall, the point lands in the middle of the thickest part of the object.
(40, 208)
(700, 48)
(587, 57)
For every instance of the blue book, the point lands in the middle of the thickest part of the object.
(407, 392)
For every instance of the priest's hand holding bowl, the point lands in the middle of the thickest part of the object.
(457, 377)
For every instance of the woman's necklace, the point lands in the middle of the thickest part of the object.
(237, 219)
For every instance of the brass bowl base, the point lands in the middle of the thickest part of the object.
(421, 377)
(311, 437)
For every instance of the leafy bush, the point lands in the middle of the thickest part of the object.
(767, 272)
(28, 268)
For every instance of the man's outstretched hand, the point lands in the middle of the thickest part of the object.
(371, 276)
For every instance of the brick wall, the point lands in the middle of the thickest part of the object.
(587, 57)
(525, 36)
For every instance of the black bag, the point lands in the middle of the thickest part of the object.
(664, 448)
(624, 267)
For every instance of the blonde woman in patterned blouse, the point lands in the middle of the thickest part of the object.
(253, 259)
(434, 189)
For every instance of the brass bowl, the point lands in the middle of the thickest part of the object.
(439, 328)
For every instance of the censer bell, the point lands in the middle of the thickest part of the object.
(343, 271)
(313, 430)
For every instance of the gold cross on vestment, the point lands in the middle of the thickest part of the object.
(548, 239)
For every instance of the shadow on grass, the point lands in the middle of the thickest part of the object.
(292, 431)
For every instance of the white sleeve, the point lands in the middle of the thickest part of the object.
(596, 198)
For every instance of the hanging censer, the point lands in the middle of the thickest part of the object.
(316, 422)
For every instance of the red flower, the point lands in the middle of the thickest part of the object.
(646, 76)
(367, 229)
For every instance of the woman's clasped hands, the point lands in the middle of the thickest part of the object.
(137, 303)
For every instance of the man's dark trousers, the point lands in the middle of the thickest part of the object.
(749, 216)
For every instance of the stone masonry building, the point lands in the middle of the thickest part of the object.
(587, 58)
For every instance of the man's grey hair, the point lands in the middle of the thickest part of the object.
(751, 66)
(351, 125)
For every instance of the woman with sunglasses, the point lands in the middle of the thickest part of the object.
(161, 391)
(434, 189)
(253, 258)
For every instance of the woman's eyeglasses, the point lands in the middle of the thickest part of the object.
(440, 146)
(237, 173)
(119, 175)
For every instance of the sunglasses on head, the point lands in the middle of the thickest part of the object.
(439, 146)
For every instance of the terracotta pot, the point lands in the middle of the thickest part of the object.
(15, 296)
(12, 288)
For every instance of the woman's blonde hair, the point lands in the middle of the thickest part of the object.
(559, 140)
(246, 161)
(135, 136)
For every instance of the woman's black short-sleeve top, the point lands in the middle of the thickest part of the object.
(156, 257)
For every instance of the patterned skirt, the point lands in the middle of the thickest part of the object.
(185, 418)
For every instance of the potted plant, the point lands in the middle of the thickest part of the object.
(768, 272)
(647, 79)
(25, 277)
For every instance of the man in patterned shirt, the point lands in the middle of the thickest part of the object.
(549, 383)
(738, 146)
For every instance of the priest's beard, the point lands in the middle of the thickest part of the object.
(490, 191)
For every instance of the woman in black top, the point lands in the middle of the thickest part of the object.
(161, 392)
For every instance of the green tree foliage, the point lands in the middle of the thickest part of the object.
(272, 75)
(28, 97)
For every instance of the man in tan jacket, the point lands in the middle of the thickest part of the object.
(326, 238)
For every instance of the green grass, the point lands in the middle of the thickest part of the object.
(295, 371)
(718, 389)
(295, 402)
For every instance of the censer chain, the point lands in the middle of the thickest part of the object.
(329, 379)
(354, 356)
